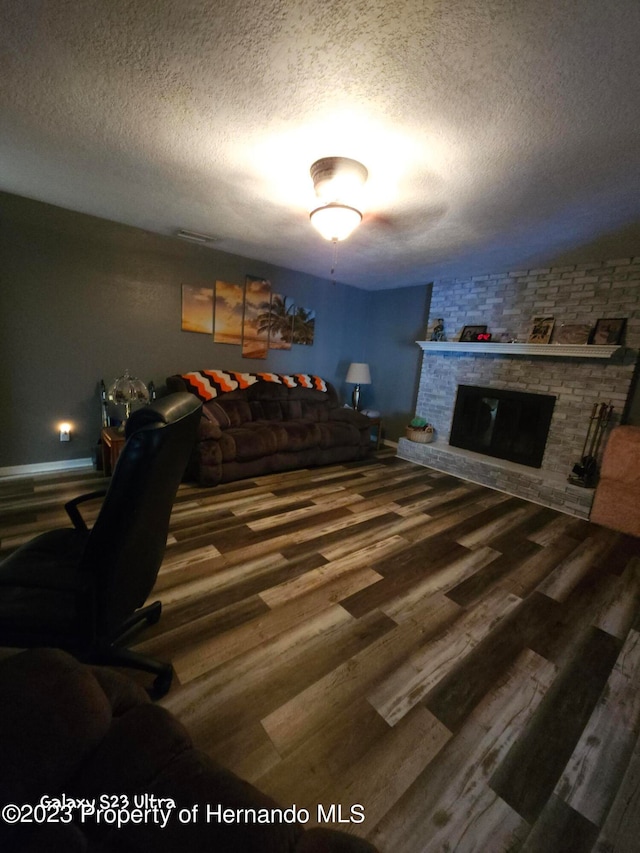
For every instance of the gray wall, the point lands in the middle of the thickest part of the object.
(82, 299)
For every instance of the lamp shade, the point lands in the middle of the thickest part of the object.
(335, 221)
(126, 390)
(359, 373)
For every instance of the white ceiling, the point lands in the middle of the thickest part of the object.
(497, 133)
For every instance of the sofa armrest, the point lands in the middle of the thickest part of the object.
(349, 416)
(208, 430)
(53, 715)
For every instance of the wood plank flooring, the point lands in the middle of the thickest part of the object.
(461, 663)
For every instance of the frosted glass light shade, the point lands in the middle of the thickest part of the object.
(335, 221)
(126, 390)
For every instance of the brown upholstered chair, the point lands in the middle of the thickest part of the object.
(616, 503)
(91, 732)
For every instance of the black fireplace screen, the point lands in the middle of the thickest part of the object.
(499, 422)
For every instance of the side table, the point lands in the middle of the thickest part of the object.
(112, 443)
(376, 423)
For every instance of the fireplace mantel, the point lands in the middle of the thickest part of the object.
(544, 350)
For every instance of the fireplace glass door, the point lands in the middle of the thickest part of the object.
(503, 423)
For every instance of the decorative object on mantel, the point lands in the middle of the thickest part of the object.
(437, 332)
(359, 374)
(609, 331)
(470, 333)
(421, 431)
(541, 328)
(585, 472)
(569, 333)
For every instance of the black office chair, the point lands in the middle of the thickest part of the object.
(80, 589)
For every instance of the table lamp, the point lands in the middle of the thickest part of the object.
(359, 374)
(125, 390)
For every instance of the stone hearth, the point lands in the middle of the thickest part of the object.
(542, 487)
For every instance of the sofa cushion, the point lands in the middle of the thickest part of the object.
(250, 441)
(267, 410)
(214, 412)
(292, 411)
(338, 434)
(278, 431)
(238, 411)
(301, 435)
(315, 411)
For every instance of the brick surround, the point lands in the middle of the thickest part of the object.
(506, 303)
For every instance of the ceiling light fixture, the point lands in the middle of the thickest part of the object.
(337, 182)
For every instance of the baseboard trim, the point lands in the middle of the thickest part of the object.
(45, 467)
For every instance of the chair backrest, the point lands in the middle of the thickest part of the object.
(127, 542)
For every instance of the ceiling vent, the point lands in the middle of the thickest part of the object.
(195, 237)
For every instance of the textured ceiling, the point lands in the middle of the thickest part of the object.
(497, 133)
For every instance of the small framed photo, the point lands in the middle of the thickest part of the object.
(609, 331)
(470, 333)
(541, 329)
(570, 333)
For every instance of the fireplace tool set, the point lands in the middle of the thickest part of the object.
(585, 472)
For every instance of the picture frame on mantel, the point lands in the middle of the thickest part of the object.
(469, 334)
(541, 329)
(573, 333)
(609, 331)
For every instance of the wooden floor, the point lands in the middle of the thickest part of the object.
(463, 664)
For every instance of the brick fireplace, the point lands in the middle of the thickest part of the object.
(506, 303)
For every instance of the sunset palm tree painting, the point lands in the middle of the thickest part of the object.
(257, 299)
(304, 326)
(278, 322)
(229, 305)
(197, 309)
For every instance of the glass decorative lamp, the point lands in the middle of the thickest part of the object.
(126, 390)
(359, 374)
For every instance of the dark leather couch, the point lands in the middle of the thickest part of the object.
(269, 427)
(68, 730)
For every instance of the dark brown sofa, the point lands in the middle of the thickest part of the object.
(72, 733)
(255, 424)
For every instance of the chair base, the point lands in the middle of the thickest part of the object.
(106, 651)
(116, 654)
